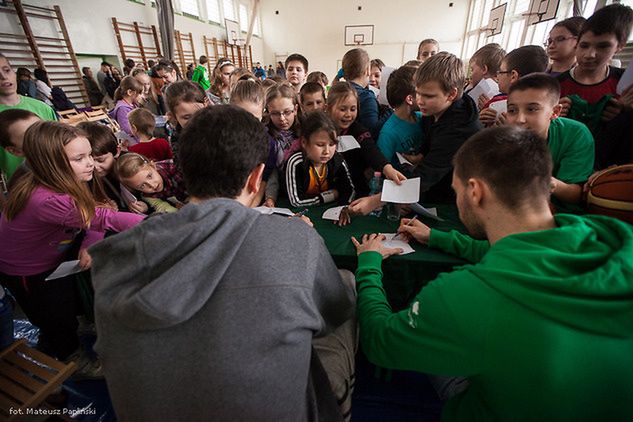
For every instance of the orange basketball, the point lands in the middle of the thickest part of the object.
(611, 193)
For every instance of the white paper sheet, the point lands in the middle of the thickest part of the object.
(500, 106)
(487, 87)
(390, 243)
(346, 143)
(332, 213)
(268, 211)
(65, 269)
(407, 193)
(403, 160)
(626, 80)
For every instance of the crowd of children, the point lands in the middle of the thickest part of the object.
(324, 141)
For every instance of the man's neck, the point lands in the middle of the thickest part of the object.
(504, 222)
(404, 112)
(145, 138)
(10, 100)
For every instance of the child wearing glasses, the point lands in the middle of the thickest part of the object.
(561, 44)
(283, 128)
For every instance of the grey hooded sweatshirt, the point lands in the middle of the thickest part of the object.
(209, 313)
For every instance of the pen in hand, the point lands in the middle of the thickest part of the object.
(408, 224)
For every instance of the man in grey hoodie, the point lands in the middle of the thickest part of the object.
(210, 313)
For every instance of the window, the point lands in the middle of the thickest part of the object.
(229, 10)
(213, 11)
(190, 7)
(515, 33)
(243, 18)
(256, 27)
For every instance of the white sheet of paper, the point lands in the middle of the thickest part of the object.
(500, 106)
(403, 160)
(65, 269)
(407, 193)
(332, 213)
(626, 80)
(390, 243)
(346, 143)
(487, 87)
(426, 212)
(268, 211)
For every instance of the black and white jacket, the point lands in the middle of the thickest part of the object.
(298, 180)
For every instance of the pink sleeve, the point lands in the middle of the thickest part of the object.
(109, 219)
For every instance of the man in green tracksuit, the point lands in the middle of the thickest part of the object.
(541, 323)
(201, 74)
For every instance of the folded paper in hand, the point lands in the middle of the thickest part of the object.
(65, 269)
(486, 86)
(346, 143)
(406, 193)
(500, 106)
(332, 213)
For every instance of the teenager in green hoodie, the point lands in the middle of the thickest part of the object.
(541, 323)
(201, 74)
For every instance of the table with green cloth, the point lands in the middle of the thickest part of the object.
(404, 275)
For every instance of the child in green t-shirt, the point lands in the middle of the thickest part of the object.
(533, 103)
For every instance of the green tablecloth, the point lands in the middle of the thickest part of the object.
(403, 275)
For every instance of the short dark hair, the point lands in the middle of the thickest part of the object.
(316, 121)
(542, 81)
(317, 76)
(614, 19)
(129, 63)
(105, 64)
(515, 162)
(85, 70)
(219, 148)
(203, 59)
(311, 88)
(296, 57)
(400, 85)
(102, 139)
(355, 63)
(7, 118)
(527, 59)
(573, 24)
(183, 92)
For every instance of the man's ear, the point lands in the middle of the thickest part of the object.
(485, 69)
(255, 179)
(409, 100)
(476, 191)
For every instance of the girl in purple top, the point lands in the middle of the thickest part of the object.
(48, 211)
(127, 99)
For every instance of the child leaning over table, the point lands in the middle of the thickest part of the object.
(160, 183)
(318, 174)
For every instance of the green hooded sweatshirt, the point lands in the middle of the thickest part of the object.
(541, 323)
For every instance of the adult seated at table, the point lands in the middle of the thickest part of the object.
(541, 323)
(213, 312)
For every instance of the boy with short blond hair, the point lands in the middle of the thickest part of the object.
(533, 103)
(449, 119)
(485, 64)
